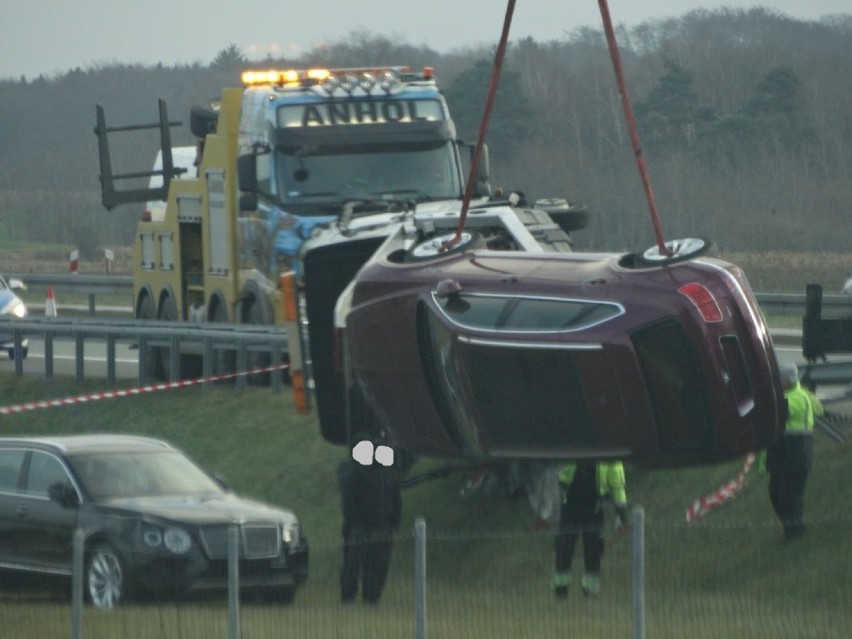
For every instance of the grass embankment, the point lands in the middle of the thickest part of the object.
(488, 573)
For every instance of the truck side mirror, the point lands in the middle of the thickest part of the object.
(483, 170)
(483, 174)
(247, 173)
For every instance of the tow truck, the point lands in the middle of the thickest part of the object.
(293, 155)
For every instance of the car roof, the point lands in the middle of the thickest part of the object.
(74, 444)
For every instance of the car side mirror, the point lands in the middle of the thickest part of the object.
(63, 494)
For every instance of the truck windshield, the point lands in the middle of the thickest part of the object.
(420, 172)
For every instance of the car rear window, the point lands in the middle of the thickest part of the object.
(528, 398)
(676, 388)
(504, 398)
(525, 314)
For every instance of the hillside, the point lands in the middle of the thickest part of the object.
(488, 568)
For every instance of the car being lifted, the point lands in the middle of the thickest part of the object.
(500, 355)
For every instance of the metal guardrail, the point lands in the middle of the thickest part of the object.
(204, 338)
(794, 304)
(207, 338)
(91, 285)
(784, 304)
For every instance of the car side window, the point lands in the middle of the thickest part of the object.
(44, 470)
(10, 469)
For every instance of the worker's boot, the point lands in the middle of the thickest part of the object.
(591, 585)
(560, 584)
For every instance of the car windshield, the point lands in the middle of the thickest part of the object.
(140, 474)
(419, 172)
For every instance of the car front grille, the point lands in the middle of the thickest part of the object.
(256, 541)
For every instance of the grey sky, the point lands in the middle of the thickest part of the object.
(53, 36)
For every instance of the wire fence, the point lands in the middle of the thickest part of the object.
(700, 581)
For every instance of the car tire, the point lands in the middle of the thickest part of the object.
(682, 250)
(105, 577)
(431, 249)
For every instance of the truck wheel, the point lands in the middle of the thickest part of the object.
(257, 359)
(148, 311)
(168, 313)
(224, 361)
(431, 249)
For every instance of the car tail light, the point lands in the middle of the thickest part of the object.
(703, 300)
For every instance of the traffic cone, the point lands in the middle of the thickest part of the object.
(50, 303)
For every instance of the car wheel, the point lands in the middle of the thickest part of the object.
(681, 250)
(430, 249)
(105, 583)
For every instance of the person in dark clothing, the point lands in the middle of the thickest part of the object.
(372, 508)
(789, 459)
(585, 487)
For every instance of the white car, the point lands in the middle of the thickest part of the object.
(11, 304)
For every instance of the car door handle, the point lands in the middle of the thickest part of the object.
(22, 512)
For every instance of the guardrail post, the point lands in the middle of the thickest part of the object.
(242, 365)
(18, 340)
(638, 573)
(48, 355)
(78, 552)
(420, 578)
(207, 363)
(110, 356)
(80, 356)
(174, 359)
(233, 581)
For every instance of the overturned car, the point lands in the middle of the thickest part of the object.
(497, 354)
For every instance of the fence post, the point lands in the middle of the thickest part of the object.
(638, 573)
(233, 582)
(77, 584)
(420, 578)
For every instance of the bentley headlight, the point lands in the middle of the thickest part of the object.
(153, 537)
(19, 310)
(177, 540)
(290, 533)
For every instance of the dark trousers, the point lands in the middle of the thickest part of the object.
(570, 531)
(366, 561)
(787, 494)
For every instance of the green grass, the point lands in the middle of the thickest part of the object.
(488, 572)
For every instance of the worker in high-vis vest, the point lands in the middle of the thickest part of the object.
(789, 459)
(586, 487)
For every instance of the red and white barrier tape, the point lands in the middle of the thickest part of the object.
(129, 392)
(724, 494)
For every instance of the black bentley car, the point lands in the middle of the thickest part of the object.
(153, 521)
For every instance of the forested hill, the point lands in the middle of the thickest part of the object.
(745, 117)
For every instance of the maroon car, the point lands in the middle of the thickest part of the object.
(504, 355)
